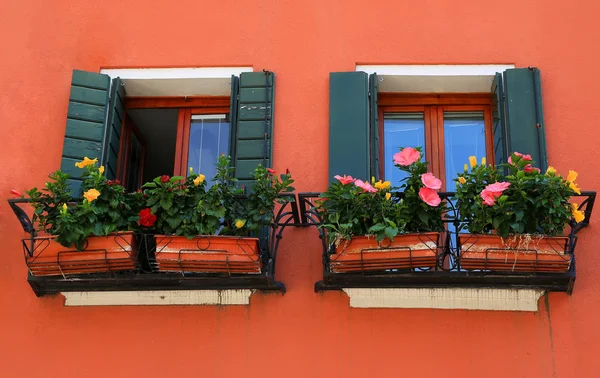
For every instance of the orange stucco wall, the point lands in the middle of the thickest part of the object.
(300, 334)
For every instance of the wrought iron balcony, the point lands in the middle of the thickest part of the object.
(452, 266)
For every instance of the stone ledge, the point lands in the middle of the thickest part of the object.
(447, 298)
(158, 298)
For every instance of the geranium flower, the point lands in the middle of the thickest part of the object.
(530, 168)
(344, 180)
(430, 181)
(147, 219)
(91, 195)
(430, 196)
(384, 185)
(199, 180)
(407, 156)
(165, 179)
(578, 215)
(365, 186)
(86, 161)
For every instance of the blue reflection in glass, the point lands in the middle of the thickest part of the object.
(209, 138)
(401, 130)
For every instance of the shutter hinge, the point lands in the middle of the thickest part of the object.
(538, 125)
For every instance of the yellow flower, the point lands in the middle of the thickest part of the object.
(64, 209)
(372, 180)
(383, 185)
(191, 170)
(239, 223)
(577, 214)
(466, 167)
(472, 161)
(572, 176)
(388, 195)
(462, 180)
(550, 171)
(86, 161)
(199, 180)
(483, 161)
(91, 195)
(101, 169)
(574, 187)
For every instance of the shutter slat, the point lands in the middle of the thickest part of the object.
(250, 149)
(84, 130)
(86, 112)
(88, 95)
(349, 124)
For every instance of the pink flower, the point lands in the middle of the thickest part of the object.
(430, 181)
(407, 156)
(15, 193)
(430, 196)
(271, 171)
(523, 157)
(493, 191)
(365, 186)
(529, 168)
(344, 180)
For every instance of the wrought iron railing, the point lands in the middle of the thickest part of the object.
(71, 272)
(454, 266)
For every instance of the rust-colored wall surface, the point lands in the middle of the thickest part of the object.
(300, 334)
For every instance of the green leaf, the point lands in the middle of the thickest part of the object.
(390, 232)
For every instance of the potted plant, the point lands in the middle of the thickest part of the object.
(515, 221)
(198, 229)
(370, 228)
(79, 236)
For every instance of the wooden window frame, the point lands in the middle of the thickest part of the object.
(432, 106)
(187, 107)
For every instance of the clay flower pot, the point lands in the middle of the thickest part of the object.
(116, 252)
(208, 254)
(521, 253)
(362, 253)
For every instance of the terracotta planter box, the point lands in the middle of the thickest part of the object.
(208, 254)
(116, 252)
(408, 251)
(514, 254)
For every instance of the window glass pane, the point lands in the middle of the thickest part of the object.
(464, 136)
(401, 130)
(209, 138)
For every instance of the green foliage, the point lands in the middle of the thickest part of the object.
(533, 203)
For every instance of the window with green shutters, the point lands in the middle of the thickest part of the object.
(358, 122)
(125, 134)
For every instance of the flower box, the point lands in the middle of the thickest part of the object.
(46, 257)
(522, 253)
(207, 254)
(408, 251)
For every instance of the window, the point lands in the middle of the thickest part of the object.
(448, 128)
(143, 123)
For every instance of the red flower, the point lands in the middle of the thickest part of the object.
(287, 171)
(430, 197)
(147, 219)
(165, 178)
(15, 193)
(529, 168)
(271, 171)
(113, 182)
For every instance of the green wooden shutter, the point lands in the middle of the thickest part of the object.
(525, 129)
(116, 112)
(349, 125)
(233, 108)
(254, 125)
(84, 135)
(498, 120)
(374, 125)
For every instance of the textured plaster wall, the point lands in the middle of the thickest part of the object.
(301, 334)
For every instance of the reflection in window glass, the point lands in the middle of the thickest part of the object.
(401, 130)
(209, 138)
(464, 136)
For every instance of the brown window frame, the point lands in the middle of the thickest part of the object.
(433, 105)
(187, 107)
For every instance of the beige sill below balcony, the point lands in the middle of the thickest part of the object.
(158, 298)
(447, 298)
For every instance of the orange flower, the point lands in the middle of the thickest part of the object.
(388, 195)
(91, 195)
(86, 161)
(462, 180)
(578, 215)
(574, 187)
(572, 176)
(199, 180)
(101, 169)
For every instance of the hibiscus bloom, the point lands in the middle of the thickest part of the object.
(199, 180)
(365, 186)
(271, 171)
(344, 180)
(407, 156)
(383, 184)
(472, 161)
(578, 215)
(91, 195)
(430, 196)
(101, 169)
(430, 181)
(462, 180)
(493, 191)
(523, 157)
(15, 193)
(86, 161)
(572, 176)
(551, 171)
(530, 168)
